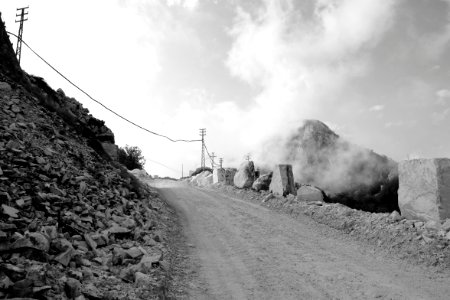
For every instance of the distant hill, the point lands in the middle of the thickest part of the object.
(323, 158)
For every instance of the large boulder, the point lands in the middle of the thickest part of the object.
(283, 181)
(219, 175)
(310, 193)
(245, 176)
(262, 183)
(424, 189)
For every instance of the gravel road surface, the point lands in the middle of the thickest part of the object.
(244, 251)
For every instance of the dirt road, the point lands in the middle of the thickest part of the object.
(245, 251)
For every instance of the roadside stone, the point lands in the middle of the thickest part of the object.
(245, 176)
(219, 175)
(283, 181)
(309, 193)
(424, 189)
(262, 183)
(395, 216)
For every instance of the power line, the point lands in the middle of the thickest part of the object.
(210, 157)
(98, 102)
(162, 165)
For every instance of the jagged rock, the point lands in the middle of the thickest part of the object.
(111, 150)
(118, 256)
(424, 189)
(72, 288)
(142, 280)
(309, 193)
(245, 176)
(10, 211)
(134, 252)
(33, 240)
(262, 183)
(4, 86)
(395, 216)
(219, 175)
(65, 257)
(148, 262)
(283, 181)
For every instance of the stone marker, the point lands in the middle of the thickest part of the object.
(309, 193)
(219, 175)
(245, 176)
(283, 181)
(424, 189)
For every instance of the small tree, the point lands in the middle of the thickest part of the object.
(131, 157)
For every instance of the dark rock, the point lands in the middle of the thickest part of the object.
(72, 288)
(65, 257)
(262, 183)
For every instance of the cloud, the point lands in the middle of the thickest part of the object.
(301, 63)
(443, 96)
(439, 117)
(377, 107)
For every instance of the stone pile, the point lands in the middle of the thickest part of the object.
(72, 225)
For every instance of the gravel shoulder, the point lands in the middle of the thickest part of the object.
(241, 250)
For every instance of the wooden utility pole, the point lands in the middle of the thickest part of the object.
(212, 160)
(22, 19)
(221, 162)
(247, 157)
(202, 134)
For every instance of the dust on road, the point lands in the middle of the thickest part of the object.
(245, 251)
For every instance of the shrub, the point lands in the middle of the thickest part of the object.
(200, 169)
(131, 157)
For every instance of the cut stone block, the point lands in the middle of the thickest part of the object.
(283, 181)
(219, 175)
(245, 176)
(424, 189)
(229, 176)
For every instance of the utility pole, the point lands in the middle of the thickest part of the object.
(212, 160)
(22, 19)
(202, 134)
(182, 171)
(247, 157)
(221, 162)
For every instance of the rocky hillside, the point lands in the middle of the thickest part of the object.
(352, 175)
(74, 224)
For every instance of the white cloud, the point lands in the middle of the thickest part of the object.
(377, 107)
(438, 117)
(443, 96)
(300, 64)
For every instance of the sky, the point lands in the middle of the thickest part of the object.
(377, 72)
